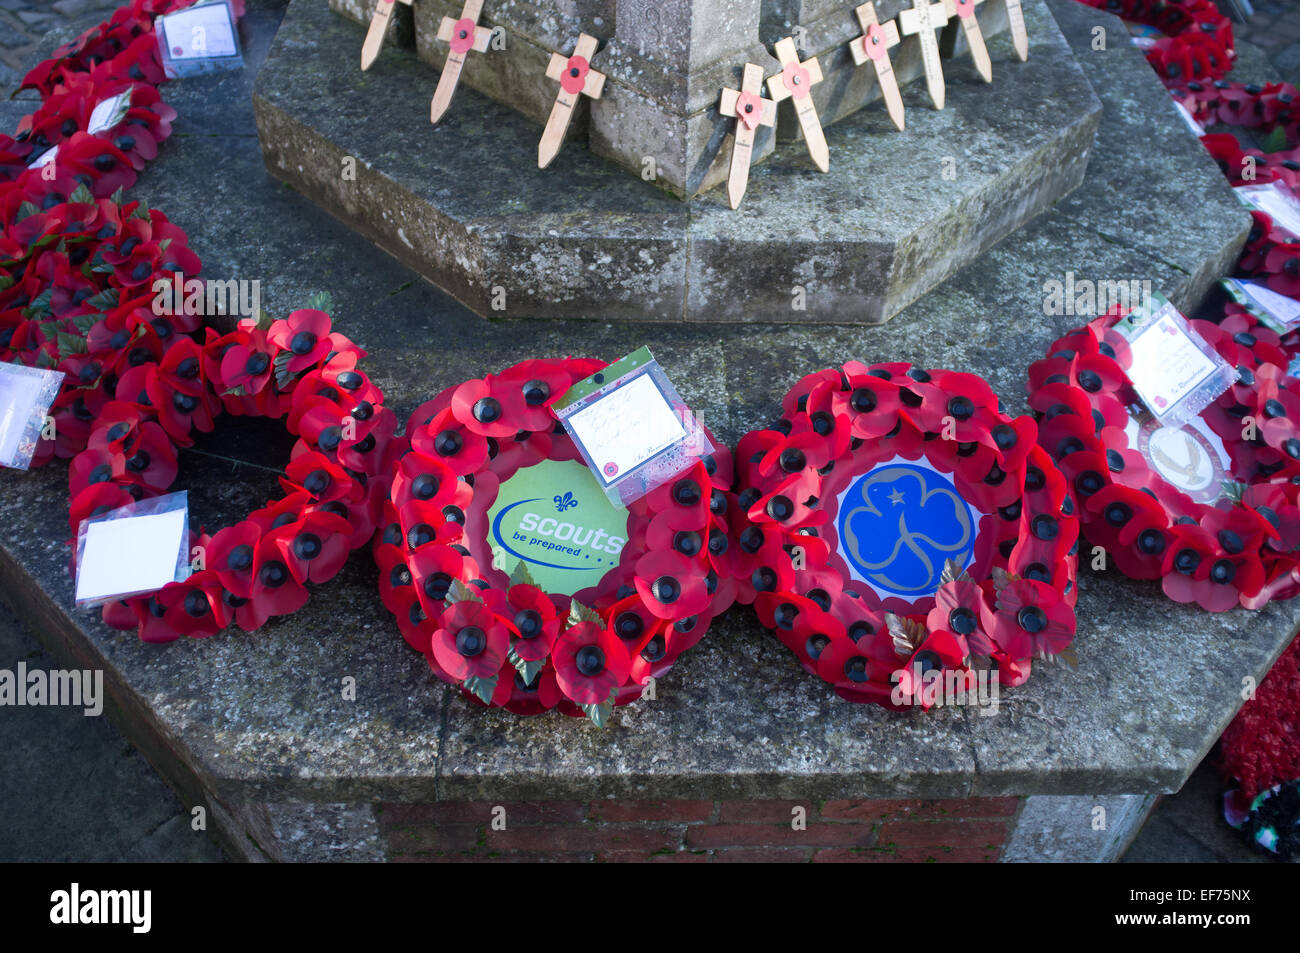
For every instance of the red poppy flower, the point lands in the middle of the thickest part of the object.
(433, 569)
(151, 458)
(247, 368)
(322, 479)
(871, 405)
(670, 585)
(315, 548)
(474, 404)
(96, 466)
(303, 336)
(274, 588)
(942, 653)
(1030, 617)
(445, 438)
(590, 663)
(470, 642)
(958, 608)
(535, 620)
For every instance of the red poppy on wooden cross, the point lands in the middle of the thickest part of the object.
(464, 35)
(964, 12)
(1019, 35)
(751, 111)
(874, 45)
(795, 82)
(576, 79)
(375, 35)
(923, 19)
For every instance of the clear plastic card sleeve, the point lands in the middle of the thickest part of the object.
(1174, 372)
(199, 39)
(632, 427)
(26, 394)
(133, 550)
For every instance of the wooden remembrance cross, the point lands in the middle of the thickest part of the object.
(464, 35)
(751, 111)
(874, 45)
(1019, 35)
(795, 81)
(576, 79)
(964, 12)
(375, 35)
(923, 19)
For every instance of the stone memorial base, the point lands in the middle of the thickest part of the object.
(257, 728)
(463, 203)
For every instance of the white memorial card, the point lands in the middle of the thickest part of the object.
(200, 31)
(1276, 201)
(627, 427)
(1174, 372)
(1273, 309)
(25, 397)
(109, 113)
(132, 550)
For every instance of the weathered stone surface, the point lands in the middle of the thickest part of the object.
(245, 719)
(401, 27)
(1069, 829)
(463, 203)
(666, 63)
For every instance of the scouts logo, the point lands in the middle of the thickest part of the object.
(530, 520)
(899, 523)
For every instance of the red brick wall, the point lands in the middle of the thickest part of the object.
(969, 830)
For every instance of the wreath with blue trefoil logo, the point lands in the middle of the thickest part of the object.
(483, 622)
(898, 532)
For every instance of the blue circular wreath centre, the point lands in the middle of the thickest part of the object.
(899, 523)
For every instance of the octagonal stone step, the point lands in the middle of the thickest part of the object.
(464, 204)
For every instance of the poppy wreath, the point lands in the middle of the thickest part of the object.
(1240, 550)
(77, 261)
(335, 482)
(1272, 107)
(813, 523)
(491, 630)
(1197, 41)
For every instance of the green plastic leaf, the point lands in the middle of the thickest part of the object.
(1233, 490)
(25, 210)
(481, 688)
(521, 576)
(600, 714)
(45, 362)
(85, 322)
(1275, 141)
(578, 613)
(236, 391)
(40, 304)
(6, 281)
(70, 343)
(322, 301)
(81, 196)
(119, 196)
(264, 321)
(106, 300)
(528, 670)
(283, 376)
(141, 211)
(459, 592)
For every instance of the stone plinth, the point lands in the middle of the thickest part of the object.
(463, 203)
(666, 63)
(255, 726)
